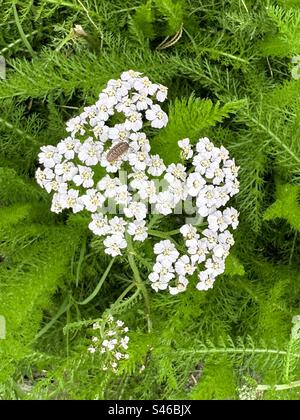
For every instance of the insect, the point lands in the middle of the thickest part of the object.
(117, 151)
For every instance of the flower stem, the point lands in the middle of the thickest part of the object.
(158, 234)
(64, 307)
(99, 285)
(118, 303)
(21, 32)
(280, 387)
(139, 282)
(164, 234)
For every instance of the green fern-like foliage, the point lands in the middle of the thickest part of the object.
(286, 205)
(285, 39)
(190, 118)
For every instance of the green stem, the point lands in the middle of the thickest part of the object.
(164, 235)
(21, 32)
(169, 233)
(159, 234)
(80, 261)
(244, 4)
(131, 298)
(281, 387)
(127, 301)
(64, 307)
(293, 248)
(97, 27)
(64, 3)
(12, 44)
(139, 282)
(99, 285)
(123, 294)
(68, 334)
(69, 301)
(242, 350)
(218, 52)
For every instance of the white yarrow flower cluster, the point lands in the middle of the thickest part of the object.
(206, 179)
(111, 343)
(209, 183)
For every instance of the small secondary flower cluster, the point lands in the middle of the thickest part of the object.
(113, 342)
(210, 182)
(249, 392)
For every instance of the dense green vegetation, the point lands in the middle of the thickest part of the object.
(228, 67)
